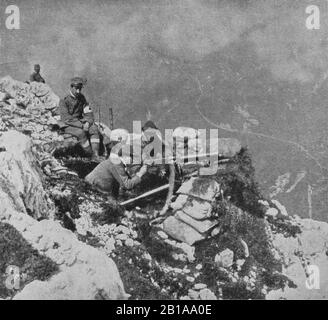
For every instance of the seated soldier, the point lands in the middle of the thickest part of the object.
(112, 173)
(77, 120)
(36, 76)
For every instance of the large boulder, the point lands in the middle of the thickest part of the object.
(85, 272)
(193, 219)
(201, 226)
(97, 278)
(197, 209)
(305, 261)
(32, 96)
(20, 179)
(181, 231)
(202, 188)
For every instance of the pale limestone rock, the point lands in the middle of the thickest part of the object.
(20, 179)
(224, 258)
(207, 294)
(198, 209)
(179, 202)
(181, 231)
(33, 96)
(77, 283)
(203, 188)
(201, 226)
(110, 245)
(122, 237)
(85, 272)
(129, 242)
(200, 286)
(312, 245)
(281, 208)
(162, 234)
(192, 294)
(216, 231)
(272, 212)
(188, 250)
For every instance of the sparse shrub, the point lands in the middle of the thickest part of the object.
(238, 182)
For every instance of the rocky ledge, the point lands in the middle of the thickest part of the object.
(220, 240)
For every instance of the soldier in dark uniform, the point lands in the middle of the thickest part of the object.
(77, 120)
(35, 76)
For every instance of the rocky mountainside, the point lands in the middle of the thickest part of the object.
(231, 243)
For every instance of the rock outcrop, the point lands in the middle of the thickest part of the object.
(20, 182)
(253, 257)
(85, 272)
(194, 218)
(305, 261)
(34, 97)
(29, 110)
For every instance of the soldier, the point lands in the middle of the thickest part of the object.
(77, 119)
(35, 76)
(112, 173)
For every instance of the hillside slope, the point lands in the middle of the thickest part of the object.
(257, 252)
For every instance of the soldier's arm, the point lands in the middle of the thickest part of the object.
(88, 115)
(123, 179)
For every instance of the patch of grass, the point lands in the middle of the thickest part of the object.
(136, 275)
(159, 250)
(252, 230)
(67, 203)
(112, 213)
(284, 226)
(238, 224)
(201, 185)
(239, 291)
(16, 251)
(89, 239)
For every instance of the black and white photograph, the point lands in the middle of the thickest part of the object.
(165, 151)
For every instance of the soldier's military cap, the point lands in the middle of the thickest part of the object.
(78, 81)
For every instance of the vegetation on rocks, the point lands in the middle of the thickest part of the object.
(155, 268)
(16, 251)
(238, 261)
(238, 182)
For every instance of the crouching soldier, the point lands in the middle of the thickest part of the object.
(77, 120)
(112, 174)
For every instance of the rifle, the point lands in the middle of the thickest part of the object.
(194, 157)
(146, 194)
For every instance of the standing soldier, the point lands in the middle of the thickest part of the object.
(36, 76)
(78, 120)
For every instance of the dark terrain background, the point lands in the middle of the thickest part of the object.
(250, 68)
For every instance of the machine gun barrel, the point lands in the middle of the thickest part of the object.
(192, 157)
